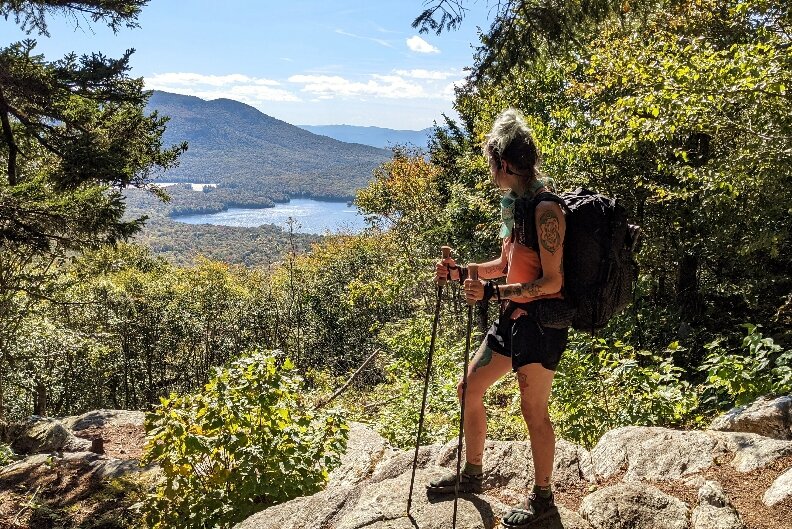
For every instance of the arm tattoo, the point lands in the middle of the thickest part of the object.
(492, 269)
(530, 290)
(549, 233)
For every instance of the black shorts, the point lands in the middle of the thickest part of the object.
(526, 341)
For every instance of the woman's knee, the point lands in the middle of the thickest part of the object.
(536, 414)
(475, 390)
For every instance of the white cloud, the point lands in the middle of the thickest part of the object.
(381, 42)
(427, 74)
(251, 90)
(408, 87)
(184, 78)
(419, 45)
(399, 85)
(384, 86)
(384, 30)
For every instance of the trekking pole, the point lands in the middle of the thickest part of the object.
(472, 274)
(446, 251)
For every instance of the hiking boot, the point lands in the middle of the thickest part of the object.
(445, 483)
(534, 509)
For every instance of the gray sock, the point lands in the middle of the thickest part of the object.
(542, 491)
(473, 470)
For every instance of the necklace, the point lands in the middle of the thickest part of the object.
(507, 207)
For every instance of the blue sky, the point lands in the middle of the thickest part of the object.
(307, 62)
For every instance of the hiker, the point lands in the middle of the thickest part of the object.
(532, 265)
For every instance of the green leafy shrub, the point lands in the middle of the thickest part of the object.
(407, 342)
(242, 444)
(604, 384)
(738, 378)
(6, 454)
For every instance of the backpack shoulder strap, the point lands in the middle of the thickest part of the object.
(547, 196)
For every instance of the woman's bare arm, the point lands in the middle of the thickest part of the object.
(495, 268)
(551, 228)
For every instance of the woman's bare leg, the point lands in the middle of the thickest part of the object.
(484, 370)
(535, 383)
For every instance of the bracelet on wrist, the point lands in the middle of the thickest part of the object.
(490, 289)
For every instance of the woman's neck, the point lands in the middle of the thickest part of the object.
(530, 188)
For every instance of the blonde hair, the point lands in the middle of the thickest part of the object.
(512, 140)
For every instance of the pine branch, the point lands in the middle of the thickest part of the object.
(32, 15)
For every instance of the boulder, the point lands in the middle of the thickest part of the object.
(377, 506)
(310, 511)
(44, 435)
(769, 417)
(366, 450)
(372, 487)
(509, 464)
(751, 451)
(402, 462)
(780, 490)
(652, 453)
(99, 418)
(572, 465)
(383, 505)
(714, 510)
(633, 506)
(18, 470)
(506, 464)
(96, 465)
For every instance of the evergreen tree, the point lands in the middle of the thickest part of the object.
(73, 135)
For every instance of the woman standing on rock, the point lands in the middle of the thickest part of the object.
(531, 260)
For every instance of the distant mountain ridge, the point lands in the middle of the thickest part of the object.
(239, 147)
(373, 136)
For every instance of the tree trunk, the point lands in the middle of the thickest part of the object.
(40, 399)
(687, 292)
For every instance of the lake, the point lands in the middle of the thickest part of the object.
(312, 216)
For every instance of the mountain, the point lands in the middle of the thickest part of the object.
(374, 136)
(239, 147)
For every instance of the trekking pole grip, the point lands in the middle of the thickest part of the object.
(446, 251)
(472, 269)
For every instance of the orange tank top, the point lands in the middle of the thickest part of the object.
(524, 267)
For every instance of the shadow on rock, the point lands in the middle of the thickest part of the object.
(482, 506)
